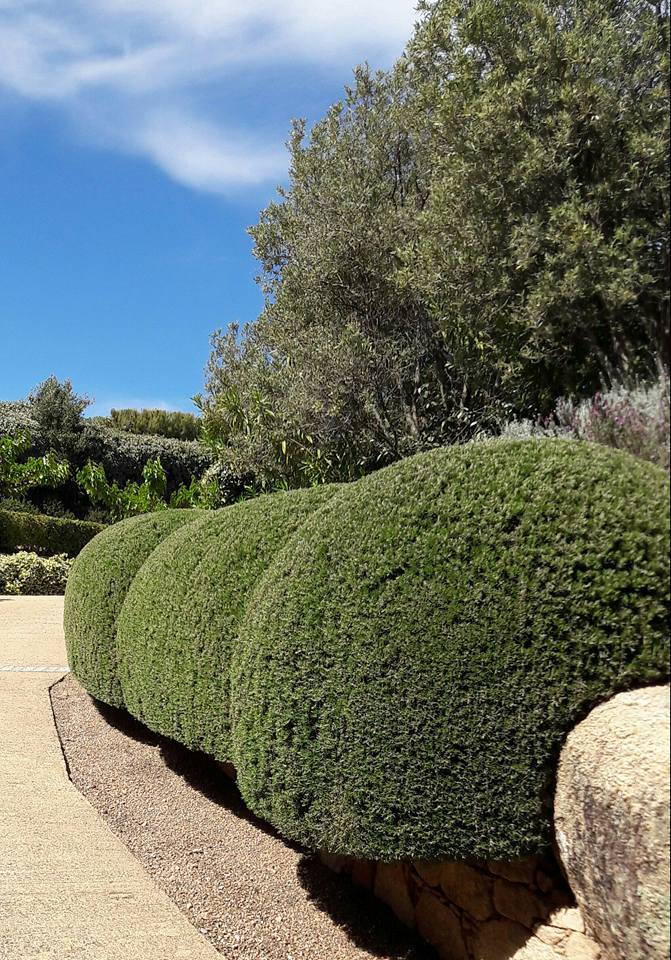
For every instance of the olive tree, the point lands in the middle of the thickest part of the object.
(464, 238)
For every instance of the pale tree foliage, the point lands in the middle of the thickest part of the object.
(464, 239)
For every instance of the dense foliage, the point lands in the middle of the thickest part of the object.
(47, 536)
(635, 420)
(464, 239)
(124, 456)
(151, 494)
(413, 660)
(25, 573)
(181, 617)
(56, 407)
(97, 587)
(162, 423)
(52, 417)
(20, 473)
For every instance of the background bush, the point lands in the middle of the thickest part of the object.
(99, 581)
(413, 659)
(44, 535)
(16, 417)
(20, 473)
(634, 419)
(52, 416)
(181, 617)
(27, 573)
(164, 423)
(124, 455)
(19, 505)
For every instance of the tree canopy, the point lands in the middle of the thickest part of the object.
(464, 238)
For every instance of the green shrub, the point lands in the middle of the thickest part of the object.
(56, 406)
(20, 473)
(19, 505)
(413, 659)
(16, 417)
(25, 573)
(181, 615)
(44, 535)
(97, 587)
(131, 500)
(631, 418)
(162, 423)
(122, 455)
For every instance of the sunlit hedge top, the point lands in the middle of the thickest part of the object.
(413, 659)
(181, 617)
(96, 590)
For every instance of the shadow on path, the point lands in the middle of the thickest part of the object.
(367, 923)
(365, 919)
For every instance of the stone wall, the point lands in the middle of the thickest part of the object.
(481, 911)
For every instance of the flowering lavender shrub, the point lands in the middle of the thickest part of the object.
(635, 420)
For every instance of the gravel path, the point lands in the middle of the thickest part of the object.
(254, 896)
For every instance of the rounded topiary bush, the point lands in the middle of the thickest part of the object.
(96, 590)
(182, 613)
(414, 659)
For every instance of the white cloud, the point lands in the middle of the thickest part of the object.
(132, 72)
(200, 155)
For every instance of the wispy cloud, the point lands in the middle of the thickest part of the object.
(200, 154)
(135, 74)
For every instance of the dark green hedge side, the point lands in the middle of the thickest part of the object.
(413, 659)
(96, 590)
(181, 615)
(47, 536)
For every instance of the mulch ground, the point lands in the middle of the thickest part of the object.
(252, 894)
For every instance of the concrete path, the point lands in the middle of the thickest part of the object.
(69, 890)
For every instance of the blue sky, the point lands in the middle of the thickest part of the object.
(138, 140)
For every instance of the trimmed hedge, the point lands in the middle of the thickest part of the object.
(96, 590)
(44, 535)
(413, 660)
(181, 616)
(25, 573)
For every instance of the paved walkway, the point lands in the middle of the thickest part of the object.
(69, 890)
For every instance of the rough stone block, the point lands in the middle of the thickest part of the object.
(553, 936)
(518, 903)
(505, 940)
(440, 927)
(429, 871)
(612, 823)
(391, 886)
(580, 947)
(518, 871)
(468, 889)
(567, 918)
